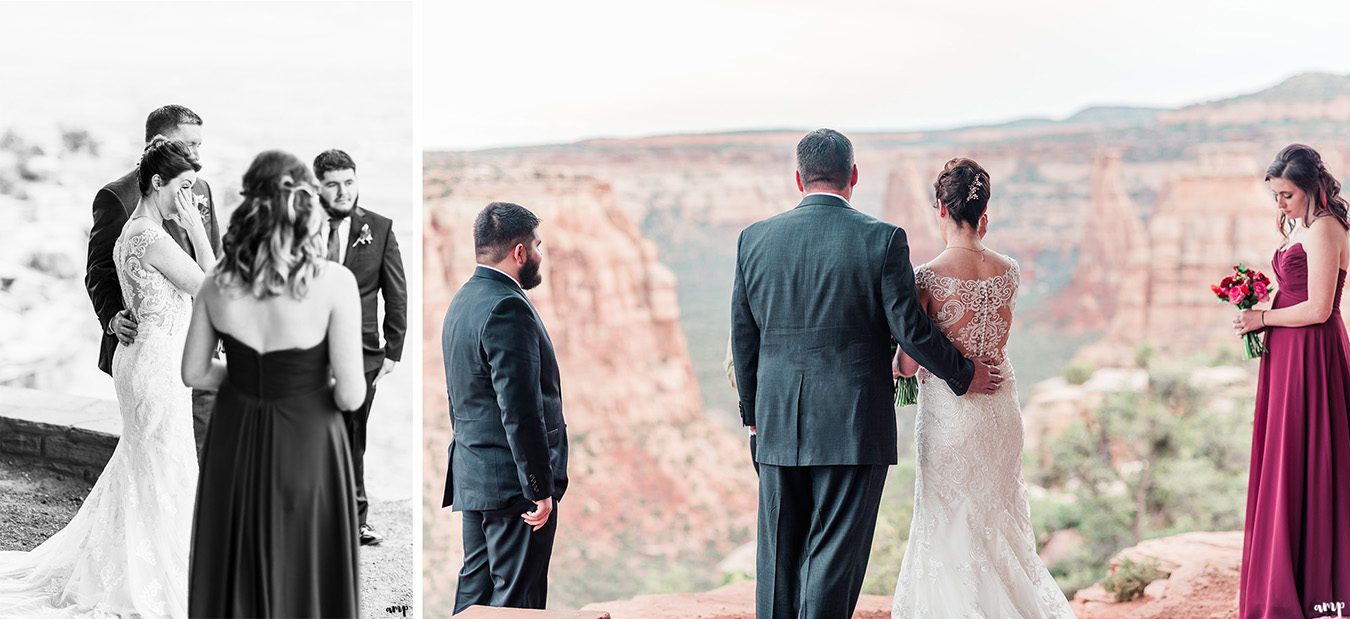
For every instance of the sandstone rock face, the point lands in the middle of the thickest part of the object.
(908, 204)
(1111, 234)
(652, 478)
(1207, 221)
(1203, 582)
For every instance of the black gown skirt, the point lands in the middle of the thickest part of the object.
(274, 532)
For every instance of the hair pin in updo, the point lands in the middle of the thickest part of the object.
(974, 189)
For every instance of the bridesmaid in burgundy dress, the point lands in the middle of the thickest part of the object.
(1296, 548)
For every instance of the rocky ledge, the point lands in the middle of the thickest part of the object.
(1197, 579)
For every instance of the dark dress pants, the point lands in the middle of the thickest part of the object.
(815, 534)
(356, 431)
(505, 561)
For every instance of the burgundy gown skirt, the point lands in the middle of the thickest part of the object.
(1296, 546)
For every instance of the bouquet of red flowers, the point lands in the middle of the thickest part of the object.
(1245, 288)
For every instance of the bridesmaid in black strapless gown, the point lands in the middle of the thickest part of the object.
(274, 532)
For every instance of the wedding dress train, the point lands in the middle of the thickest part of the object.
(125, 553)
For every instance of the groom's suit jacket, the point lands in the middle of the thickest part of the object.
(819, 292)
(372, 256)
(505, 393)
(113, 205)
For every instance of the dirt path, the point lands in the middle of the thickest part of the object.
(387, 569)
(34, 503)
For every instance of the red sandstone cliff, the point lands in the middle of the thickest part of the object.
(1112, 233)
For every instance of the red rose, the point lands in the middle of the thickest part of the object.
(1262, 292)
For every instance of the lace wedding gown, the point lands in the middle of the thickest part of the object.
(972, 552)
(125, 553)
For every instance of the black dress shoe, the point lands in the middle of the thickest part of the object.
(369, 537)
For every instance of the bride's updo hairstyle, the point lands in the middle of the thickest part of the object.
(963, 187)
(165, 157)
(1302, 166)
(274, 243)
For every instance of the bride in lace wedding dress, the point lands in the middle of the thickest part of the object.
(125, 553)
(971, 551)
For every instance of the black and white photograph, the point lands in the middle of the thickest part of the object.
(211, 219)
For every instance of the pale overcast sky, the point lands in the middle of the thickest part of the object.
(507, 73)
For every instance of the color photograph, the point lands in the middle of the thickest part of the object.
(877, 309)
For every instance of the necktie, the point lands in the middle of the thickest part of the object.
(334, 244)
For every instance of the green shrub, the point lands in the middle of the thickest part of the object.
(1078, 372)
(1130, 578)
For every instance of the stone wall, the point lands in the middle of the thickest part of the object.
(67, 434)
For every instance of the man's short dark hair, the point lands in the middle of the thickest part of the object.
(165, 120)
(499, 228)
(332, 159)
(825, 156)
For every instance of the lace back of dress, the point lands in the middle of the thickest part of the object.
(152, 299)
(975, 314)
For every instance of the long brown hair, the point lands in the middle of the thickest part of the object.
(274, 243)
(1302, 166)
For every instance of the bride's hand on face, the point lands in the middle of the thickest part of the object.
(185, 209)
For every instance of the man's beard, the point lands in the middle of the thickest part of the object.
(529, 274)
(334, 213)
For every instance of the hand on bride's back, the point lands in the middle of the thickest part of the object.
(987, 378)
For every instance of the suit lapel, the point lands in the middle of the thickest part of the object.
(358, 222)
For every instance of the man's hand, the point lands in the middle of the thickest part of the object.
(123, 325)
(539, 517)
(386, 368)
(987, 378)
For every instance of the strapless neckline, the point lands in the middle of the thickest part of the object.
(273, 352)
(1299, 245)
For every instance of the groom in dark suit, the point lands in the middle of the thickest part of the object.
(819, 293)
(508, 458)
(113, 204)
(363, 241)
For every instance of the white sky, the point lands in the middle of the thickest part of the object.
(300, 76)
(527, 72)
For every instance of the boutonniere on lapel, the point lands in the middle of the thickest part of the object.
(364, 238)
(199, 201)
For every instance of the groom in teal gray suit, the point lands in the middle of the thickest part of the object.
(820, 291)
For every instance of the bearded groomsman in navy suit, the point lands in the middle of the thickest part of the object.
(363, 241)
